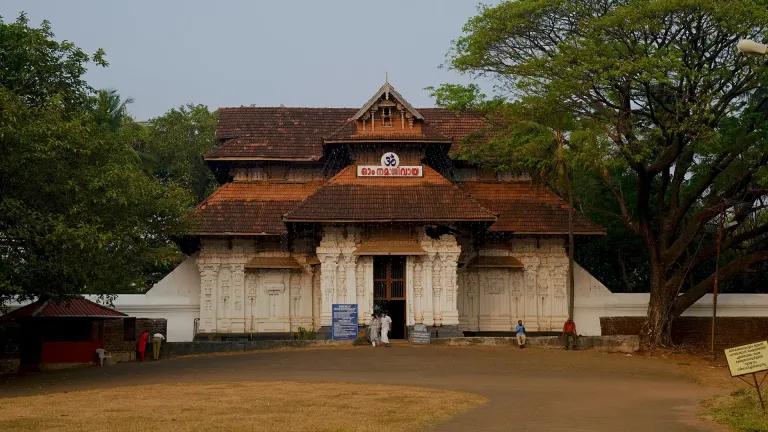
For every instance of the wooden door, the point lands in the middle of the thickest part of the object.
(389, 278)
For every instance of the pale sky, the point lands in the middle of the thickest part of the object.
(266, 53)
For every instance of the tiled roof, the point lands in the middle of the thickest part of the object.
(298, 133)
(73, 307)
(527, 208)
(249, 208)
(348, 198)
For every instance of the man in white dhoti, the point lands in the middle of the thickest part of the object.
(386, 325)
(374, 328)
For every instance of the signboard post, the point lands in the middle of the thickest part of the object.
(344, 322)
(749, 359)
(420, 335)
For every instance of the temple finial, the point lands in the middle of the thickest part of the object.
(386, 78)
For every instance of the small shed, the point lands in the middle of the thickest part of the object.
(60, 332)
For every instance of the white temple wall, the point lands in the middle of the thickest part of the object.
(236, 300)
(494, 299)
(348, 278)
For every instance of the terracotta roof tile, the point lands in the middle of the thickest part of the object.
(524, 207)
(249, 208)
(298, 133)
(348, 198)
(74, 307)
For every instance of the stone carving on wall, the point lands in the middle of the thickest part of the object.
(536, 294)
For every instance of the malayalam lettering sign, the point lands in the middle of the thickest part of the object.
(420, 335)
(747, 359)
(344, 322)
(390, 167)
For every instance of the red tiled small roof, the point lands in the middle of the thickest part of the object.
(298, 134)
(348, 198)
(526, 208)
(249, 208)
(73, 307)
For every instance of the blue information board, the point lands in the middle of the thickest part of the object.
(344, 322)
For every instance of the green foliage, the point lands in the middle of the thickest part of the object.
(360, 341)
(37, 68)
(306, 334)
(78, 214)
(174, 144)
(648, 105)
(740, 411)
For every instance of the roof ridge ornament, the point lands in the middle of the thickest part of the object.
(386, 91)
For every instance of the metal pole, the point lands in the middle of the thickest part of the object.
(759, 393)
(715, 286)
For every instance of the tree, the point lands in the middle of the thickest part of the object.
(660, 101)
(36, 67)
(174, 145)
(78, 214)
(109, 109)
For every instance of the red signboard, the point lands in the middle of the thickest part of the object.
(390, 167)
(380, 171)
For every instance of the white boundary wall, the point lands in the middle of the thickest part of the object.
(177, 299)
(594, 300)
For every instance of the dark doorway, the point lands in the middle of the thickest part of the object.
(389, 291)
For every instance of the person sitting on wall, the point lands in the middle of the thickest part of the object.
(569, 334)
(520, 334)
(157, 341)
(141, 345)
(386, 325)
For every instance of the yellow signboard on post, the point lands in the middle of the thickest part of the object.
(747, 359)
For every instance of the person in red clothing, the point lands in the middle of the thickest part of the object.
(141, 345)
(569, 333)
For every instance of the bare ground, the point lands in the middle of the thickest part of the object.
(527, 390)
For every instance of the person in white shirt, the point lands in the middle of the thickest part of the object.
(373, 329)
(157, 341)
(386, 325)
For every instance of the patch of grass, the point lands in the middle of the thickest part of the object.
(740, 410)
(237, 406)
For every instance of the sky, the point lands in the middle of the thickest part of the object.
(266, 53)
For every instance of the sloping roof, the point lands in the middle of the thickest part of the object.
(387, 89)
(273, 263)
(249, 208)
(527, 208)
(275, 132)
(348, 198)
(73, 307)
(298, 134)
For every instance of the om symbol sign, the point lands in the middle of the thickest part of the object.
(390, 159)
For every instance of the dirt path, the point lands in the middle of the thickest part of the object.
(529, 390)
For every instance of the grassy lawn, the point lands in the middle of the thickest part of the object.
(237, 406)
(739, 410)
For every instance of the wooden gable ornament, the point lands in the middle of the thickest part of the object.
(387, 108)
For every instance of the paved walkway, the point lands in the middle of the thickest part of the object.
(528, 390)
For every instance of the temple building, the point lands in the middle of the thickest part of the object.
(367, 206)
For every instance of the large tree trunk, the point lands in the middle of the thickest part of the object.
(657, 330)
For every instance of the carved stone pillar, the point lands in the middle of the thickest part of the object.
(437, 291)
(327, 286)
(531, 305)
(418, 290)
(428, 296)
(450, 308)
(209, 273)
